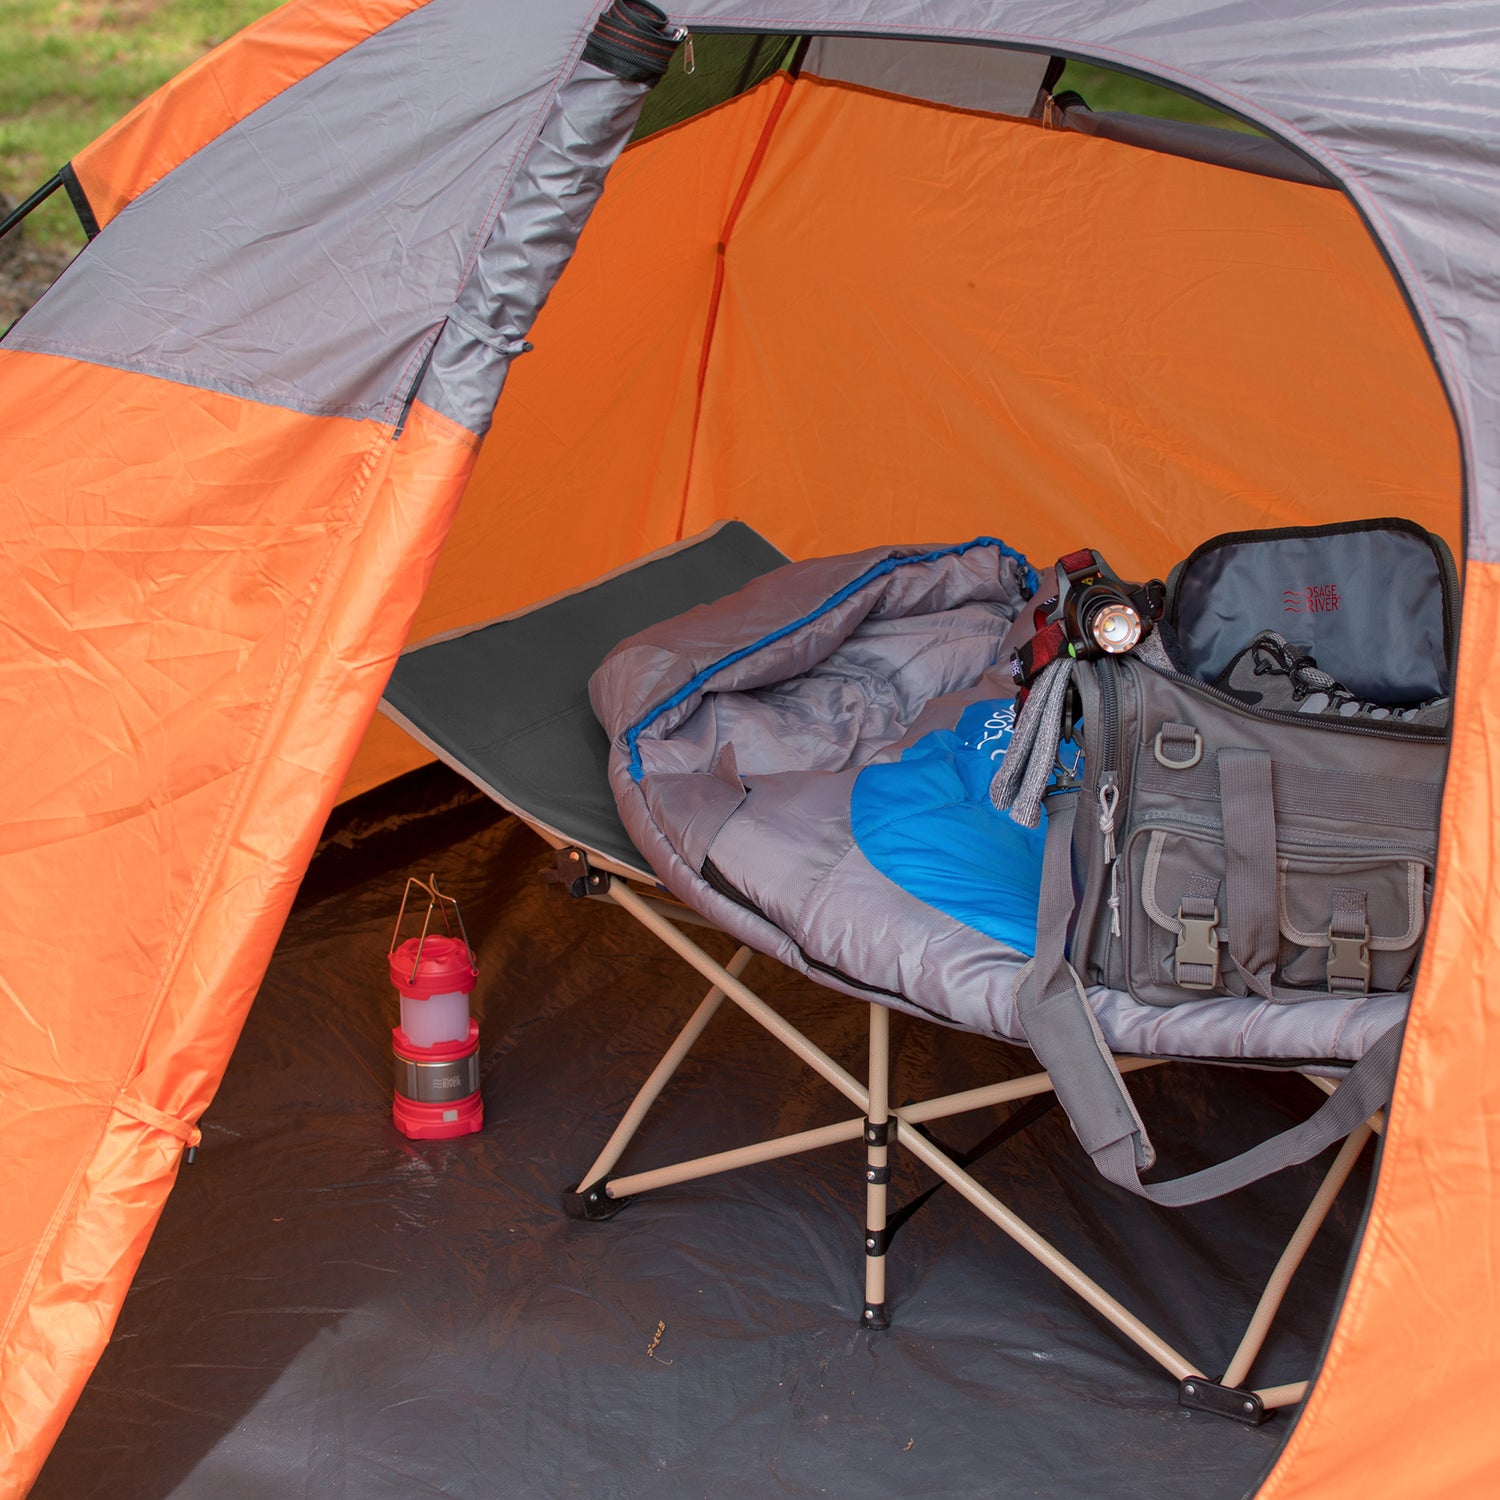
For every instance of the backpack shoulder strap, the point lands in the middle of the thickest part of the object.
(1061, 1029)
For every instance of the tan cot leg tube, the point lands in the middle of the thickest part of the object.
(742, 1156)
(1054, 1260)
(877, 1169)
(1291, 1257)
(748, 1001)
(1001, 1093)
(661, 1074)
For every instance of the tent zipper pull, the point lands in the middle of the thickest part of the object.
(689, 62)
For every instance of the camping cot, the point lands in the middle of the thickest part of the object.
(874, 298)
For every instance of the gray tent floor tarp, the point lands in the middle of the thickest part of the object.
(330, 1310)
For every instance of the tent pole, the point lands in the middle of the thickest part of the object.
(39, 197)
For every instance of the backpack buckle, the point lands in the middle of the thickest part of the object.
(1196, 963)
(1349, 963)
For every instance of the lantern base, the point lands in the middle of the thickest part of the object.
(437, 1088)
(437, 1122)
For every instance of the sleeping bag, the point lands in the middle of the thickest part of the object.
(808, 763)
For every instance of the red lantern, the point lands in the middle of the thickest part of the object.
(437, 1042)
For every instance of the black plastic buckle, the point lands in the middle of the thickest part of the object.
(579, 878)
(1198, 1394)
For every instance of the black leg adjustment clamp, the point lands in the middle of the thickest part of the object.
(877, 1241)
(875, 1315)
(878, 1135)
(579, 878)
(1198, 1394)
(877, 1176)
(592, 1203)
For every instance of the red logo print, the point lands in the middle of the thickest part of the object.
(1315, 599)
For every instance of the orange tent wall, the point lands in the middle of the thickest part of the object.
(934, 324)
(177, 761)
(1404, 1406)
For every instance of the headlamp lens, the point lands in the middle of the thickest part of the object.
(1115, 627)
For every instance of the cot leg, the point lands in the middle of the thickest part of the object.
(590, 1197)
(877, 1169)
(1291, 1257)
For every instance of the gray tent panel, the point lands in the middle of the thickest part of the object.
(305, 256)
(533, 240)
(988, 78)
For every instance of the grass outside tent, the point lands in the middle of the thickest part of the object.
(71, 68)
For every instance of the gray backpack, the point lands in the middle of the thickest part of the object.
(1257, 812)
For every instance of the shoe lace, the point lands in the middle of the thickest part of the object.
(1276, 655)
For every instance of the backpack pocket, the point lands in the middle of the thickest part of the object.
(1350, 918)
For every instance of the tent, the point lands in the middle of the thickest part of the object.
(851, 307)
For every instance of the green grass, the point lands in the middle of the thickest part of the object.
(1103, 89)
(70, 68)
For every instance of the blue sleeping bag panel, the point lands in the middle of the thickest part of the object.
(926, 822)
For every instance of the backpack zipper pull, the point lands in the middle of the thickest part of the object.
(1109, 800)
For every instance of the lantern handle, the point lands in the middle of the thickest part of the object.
(436, 900)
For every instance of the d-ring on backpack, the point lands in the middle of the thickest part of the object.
(1255, 818)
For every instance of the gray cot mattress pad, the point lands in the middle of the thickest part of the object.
(807, 763)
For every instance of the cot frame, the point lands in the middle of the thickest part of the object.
(600, 1194)
(543, 787)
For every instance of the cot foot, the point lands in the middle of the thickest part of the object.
(1198, 1394)
(592, 1203)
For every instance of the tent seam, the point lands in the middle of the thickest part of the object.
(81, 354)
(492, 213)
(716, 293)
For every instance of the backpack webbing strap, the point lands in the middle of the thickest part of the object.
(1061, 1029)
(1055, 1015)
(1250, 865)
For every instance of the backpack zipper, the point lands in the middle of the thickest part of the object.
(1109, 781)
(1424, 734)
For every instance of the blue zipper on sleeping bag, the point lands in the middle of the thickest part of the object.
(870, 575)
